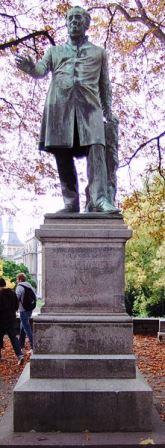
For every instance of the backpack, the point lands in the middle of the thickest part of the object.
(29, 299)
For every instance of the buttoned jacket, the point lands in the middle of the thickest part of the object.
(79, 87)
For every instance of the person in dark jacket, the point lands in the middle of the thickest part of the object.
(25, 316)
(8, 308)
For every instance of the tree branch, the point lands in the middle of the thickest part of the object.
(112, 15)
(20, 40)
(9, 104)
(160, 157)
(151, 24)
(117, 8)
(157, 139)
(154, 27)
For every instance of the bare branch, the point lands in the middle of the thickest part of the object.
(117, 8)
(35, 46)
(160, 157)
(157, 139)
(109, 28)
(8, 16)
(19, 40)
(11, 105)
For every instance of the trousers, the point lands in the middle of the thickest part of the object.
(10, 330)
(96, 173)
(25, 328)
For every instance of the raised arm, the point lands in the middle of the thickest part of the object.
(38, 70)
(105, 88)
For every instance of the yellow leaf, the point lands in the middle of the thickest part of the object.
(1, 268)
(147, 442)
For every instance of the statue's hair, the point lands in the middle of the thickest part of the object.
(85, 13)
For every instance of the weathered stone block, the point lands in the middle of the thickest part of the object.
(98, 405)
(71, 334)
(83, 264)
(82, 366)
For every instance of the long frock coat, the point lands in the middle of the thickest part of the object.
(79, 87)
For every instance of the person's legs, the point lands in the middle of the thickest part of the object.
(22, 336)
(11, 332)
(97, 181)
(68, 179)
(1, 340)
(25, 323)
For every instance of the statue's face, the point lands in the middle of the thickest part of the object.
(76, 23)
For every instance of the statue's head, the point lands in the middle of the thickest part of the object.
(77, 21)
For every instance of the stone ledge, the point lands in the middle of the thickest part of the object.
(74, 216)
(110, 235)
(72, 227)
(83, 318)
(82, 366)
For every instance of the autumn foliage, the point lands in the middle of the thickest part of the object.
(145, 252)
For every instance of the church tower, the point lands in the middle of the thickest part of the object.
(11, 241)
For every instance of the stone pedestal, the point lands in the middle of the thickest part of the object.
(82, 374)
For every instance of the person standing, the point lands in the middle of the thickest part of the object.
(25, 315)
(8, 308)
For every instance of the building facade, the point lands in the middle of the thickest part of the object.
(28, 253)
(11, 242)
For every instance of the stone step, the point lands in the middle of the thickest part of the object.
(75, 405)
(82, 366)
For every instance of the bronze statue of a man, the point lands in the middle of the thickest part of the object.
(72, 125)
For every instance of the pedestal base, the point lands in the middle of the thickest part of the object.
(82, 375)
(96, 405)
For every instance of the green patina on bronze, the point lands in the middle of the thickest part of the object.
(79, 91)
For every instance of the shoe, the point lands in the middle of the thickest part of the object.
(103, 205)
(29, 352)
(20, 360)
(69, 209)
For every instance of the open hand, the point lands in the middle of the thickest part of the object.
(25, 64)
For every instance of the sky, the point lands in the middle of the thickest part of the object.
(30, 214)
